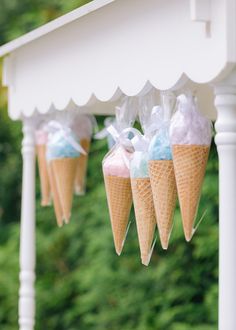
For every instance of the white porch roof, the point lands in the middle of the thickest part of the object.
(112, 47)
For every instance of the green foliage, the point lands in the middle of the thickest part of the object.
(10, 164)
(81, 283)
(20, 16)
(92, 288)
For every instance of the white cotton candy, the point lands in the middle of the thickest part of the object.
(188, 125)
(82, 126)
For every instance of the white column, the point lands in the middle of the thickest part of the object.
(225, 102)
(27, 232)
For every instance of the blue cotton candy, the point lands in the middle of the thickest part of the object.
(139, 165)
(160, 147)
(59, 147)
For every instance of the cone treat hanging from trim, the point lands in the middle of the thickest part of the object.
(64, 170)
(55, 196)
(82, 126)
(161, 171)
(117, 175)
(145, 216)
(164, 191)
(119, 200)
(41, 136)
(63, 151)
(140, 181)
(190, 165)
(118, 191)
(191, 137)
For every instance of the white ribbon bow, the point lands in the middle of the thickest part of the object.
(104, 132)
(54, 126)
(140, 142)
(121, 137)
(123, 140)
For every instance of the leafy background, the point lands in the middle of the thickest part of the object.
(81, 283)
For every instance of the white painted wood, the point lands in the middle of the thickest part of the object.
(53, 25)
(27, 233)
(225, 102)
(200, 10)
(124, 47)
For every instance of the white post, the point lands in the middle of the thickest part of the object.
(225, 102)
(27, 232)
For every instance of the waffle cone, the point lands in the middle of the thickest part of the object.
(119, 198)
(55, 196)
(82, 168)
(190, 166)
(64, 170)
(164, 192)
(43, 175)
(145, 215)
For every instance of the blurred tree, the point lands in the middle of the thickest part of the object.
(18, 17)
(10, 164)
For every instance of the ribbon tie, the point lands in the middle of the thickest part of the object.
(54, 126)
(104, 132)
(121, 137)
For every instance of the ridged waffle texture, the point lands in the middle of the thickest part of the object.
(190, 166)
(164, 192)
(81, 171)
(119, 198)
(64, 170)
(55, 196)
(145, 215)
(43, 175)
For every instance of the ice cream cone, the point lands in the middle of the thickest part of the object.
(145, 215)
(43, 174)
(64, 171)
(164, 192)
(82, 168)
(119, 198)
(190, 165)
(55, 197)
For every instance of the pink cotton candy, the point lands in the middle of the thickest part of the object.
(41, 137)
(117, 163)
